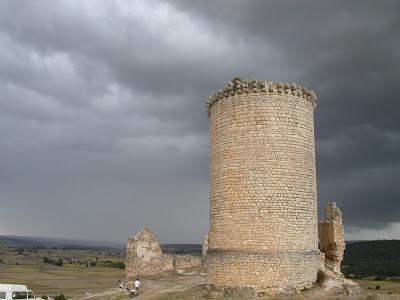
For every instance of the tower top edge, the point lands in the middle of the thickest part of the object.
(245, 86)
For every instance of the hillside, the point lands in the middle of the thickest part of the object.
(55, 243)
(192, 249)
(372, 258)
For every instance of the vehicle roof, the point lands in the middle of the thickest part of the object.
(13, 287)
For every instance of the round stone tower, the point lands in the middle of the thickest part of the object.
(263, 205)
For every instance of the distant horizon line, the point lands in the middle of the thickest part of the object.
(121, 243)
(91, 242)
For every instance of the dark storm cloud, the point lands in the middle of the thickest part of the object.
(102, 112)
(347, 52)
(369, 196)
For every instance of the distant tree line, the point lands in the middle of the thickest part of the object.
(114, 264)
(88, 263)
(379, 259)
(59, 262)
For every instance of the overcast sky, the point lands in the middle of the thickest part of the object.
(103, 124)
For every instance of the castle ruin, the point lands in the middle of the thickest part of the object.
(263, 206)
(204, 248)
(331, 239)
(144, 257)
(263, 230)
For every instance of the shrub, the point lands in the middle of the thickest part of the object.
(59, 263)
(380, 278)
(119, 265)
(237, 79)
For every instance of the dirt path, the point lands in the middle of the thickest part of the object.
(106, 294)
(154, 288)
(157, 290)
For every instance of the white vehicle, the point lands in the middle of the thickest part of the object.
(15, 291)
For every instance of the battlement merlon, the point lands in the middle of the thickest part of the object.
(238, 86)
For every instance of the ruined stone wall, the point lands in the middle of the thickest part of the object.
(156, 266)
(144, 257)
(204, 249)
(263, 208)
(182, 262)
(331, 238)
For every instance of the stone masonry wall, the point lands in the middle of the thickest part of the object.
(144, 257)
(278, 272)
(204, 249)
(182, 262)
(331, 238)
(263, 206)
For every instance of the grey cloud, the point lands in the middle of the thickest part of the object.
(102, 107)
(369, 198)
(358, 149)
(347, 53)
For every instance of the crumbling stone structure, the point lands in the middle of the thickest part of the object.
(331, 239)
(263, 207)
(144, 257)
(182, 262)
(332, 246)
(204, 248)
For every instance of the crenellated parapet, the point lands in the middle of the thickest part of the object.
(238, 86)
